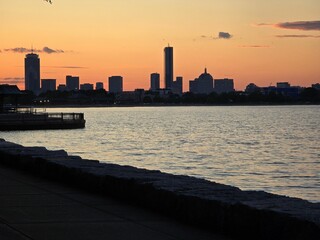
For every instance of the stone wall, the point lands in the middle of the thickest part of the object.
(210, 205)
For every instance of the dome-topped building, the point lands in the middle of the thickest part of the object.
(206, 76)
(203, 84)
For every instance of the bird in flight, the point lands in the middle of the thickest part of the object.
(49, 1)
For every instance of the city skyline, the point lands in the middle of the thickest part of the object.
(249, 42)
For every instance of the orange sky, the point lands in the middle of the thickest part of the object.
(260, 41)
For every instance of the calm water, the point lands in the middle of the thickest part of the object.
(276, 149)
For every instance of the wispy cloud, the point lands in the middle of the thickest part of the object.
(297, 25)
(255, 46)
(50, 50)
(69, 67)
(28, 50)
(11, 80)
(300, 25)
(297, 36)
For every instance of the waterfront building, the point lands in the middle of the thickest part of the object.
(72, 83)
(115, 84)
(154, 81)
(168, 67)
(251, 87)
(177, 87)
(223, 85)
(62, 88)
(32, 72)
(203, 84)
(316, 86)
(86, 86)
(48, 85)
(283, 85)
(99, 85)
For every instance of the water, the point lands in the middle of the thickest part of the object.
(271, 148)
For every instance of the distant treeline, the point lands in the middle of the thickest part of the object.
(91, 97)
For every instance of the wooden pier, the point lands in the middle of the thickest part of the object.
(40, 121)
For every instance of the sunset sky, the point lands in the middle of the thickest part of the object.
(248, 40)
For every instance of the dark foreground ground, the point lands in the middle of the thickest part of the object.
(50, 205)
(34, 208)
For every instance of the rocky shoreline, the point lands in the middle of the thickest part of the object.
(217, 207)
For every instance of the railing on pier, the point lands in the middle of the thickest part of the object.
(41, 117)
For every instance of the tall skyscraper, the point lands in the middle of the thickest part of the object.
(168, 67)
(72, 83)
(115, 84)
(32, 72)
(154, 81)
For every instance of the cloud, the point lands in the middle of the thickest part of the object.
(69, 67)
(49, 50)
(221, 35)
(28, 50)
(262, 24)
(255, 46)
(17, 50)
(297, 36)
(224, 35)
(11, 80)
(300, 25)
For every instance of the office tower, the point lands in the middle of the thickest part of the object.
(48, 85)
(115, 84)
(154, 81)
(177, 87)
(99, 85)
(32, 72)
(72, 83)
(223, 85)
(168, 67)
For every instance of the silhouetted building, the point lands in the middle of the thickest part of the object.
(252, 88)
(223, 85)
(62, 88)
(282, 89)
(32, 72)
(86, 86)
(178, 86)
(316, 86)
(168, 67)
(115, 84)
(154, 81)
(129, 97)
(72, 83)
(48, 85)
(283, 85)
(203, 84)
(99, 85)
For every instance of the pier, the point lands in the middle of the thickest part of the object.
(40, 121)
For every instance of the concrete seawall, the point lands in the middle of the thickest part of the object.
(218, 207)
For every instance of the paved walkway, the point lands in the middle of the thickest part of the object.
(34, 208)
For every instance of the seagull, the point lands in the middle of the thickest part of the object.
(49, 1)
